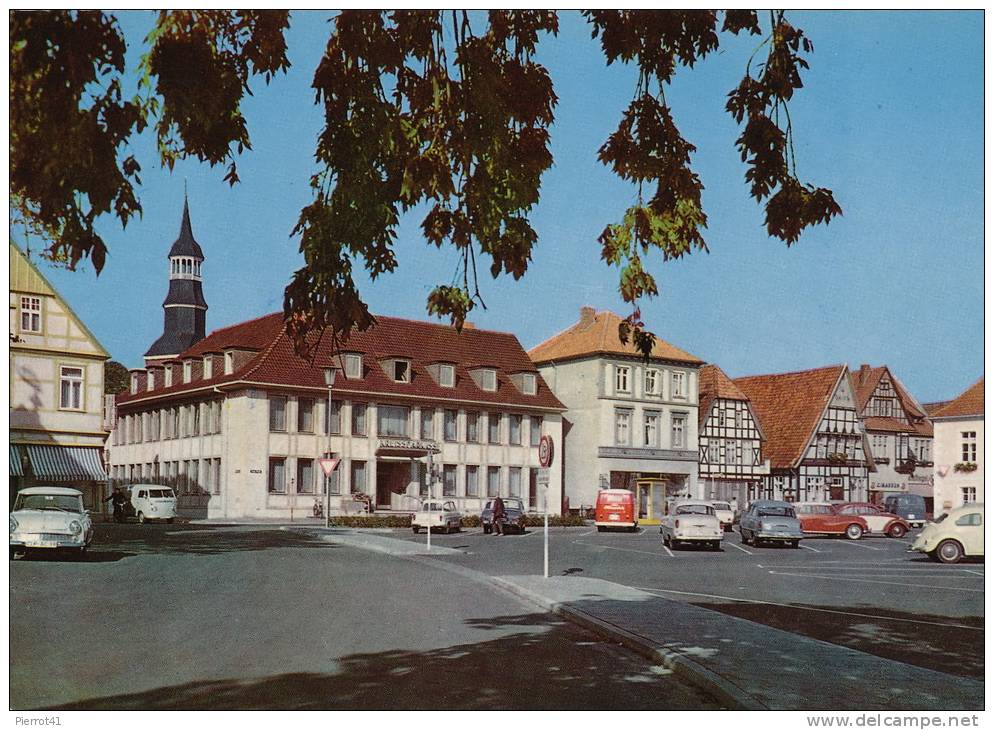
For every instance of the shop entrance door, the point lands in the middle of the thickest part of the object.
(651, 494)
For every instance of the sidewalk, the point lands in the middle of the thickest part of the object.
(742, 663)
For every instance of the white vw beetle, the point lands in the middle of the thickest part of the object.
(437, 515)
(50, 518)
(692, 521)
(955, 535)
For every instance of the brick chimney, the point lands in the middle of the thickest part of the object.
(587, 315)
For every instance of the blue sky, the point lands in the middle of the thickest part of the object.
(891, 119)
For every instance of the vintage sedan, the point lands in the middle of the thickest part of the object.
(437, 515)
(725, 514)
(50, 518)
(822, 518)
(957, 534)
(692, 521)
(768, 520)
(878, 520)
(514, 515)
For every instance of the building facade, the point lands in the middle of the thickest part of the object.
(730, 438)
(238, 422)
(56, 382)
(628, 418)
(900, 434)
(815, 438)
(959, 450)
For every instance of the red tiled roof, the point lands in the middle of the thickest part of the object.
(865, 381)
(789, 407)
(968, 403)
(422, 342)
(713, 383)
(599, 335)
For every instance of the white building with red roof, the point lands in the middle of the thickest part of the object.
(238, 421)
(632, 422)
(959, 450)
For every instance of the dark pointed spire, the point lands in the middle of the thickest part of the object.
(186, 244)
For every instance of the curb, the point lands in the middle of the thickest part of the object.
(681, 665)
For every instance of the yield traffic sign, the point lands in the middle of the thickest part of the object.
(328, 465)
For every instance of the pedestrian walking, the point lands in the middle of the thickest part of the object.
(500, 513)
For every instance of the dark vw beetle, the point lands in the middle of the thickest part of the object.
(514, 518)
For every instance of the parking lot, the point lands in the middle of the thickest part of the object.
(869, 594)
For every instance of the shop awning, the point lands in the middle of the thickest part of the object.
(16, 470)
(66, 462)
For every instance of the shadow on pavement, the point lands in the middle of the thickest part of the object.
(134, 539)
(912, 638)
(548, 667)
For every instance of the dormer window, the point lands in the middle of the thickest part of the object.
(447, 376)
(401, 371)
(169, 375)
(187, 371)
(229, 363)
(150, 380)
(208, 367)
(488, 380)
(134, 383)
(528, 386)
(353, 365)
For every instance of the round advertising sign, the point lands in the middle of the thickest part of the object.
(545, 451)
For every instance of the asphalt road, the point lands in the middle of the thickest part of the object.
(871, 594)
(186, 617)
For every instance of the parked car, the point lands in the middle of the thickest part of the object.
(726, 515)
(514, 515)
(878, 520)
(692, 521)
(823, 518)
(955, 535)
(615, 508)
(437, 515)
(50, 518)
(151, 502)
(909, 507)
(768, 520)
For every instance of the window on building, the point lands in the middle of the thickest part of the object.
(730, 452)
(71, 388)
(353, 365)
(208, 367)
(514, 429)
(333, 417)
(216, 481)
(31, 314)
(679, 384)
(514, 481)
(493, 481)
(448, 480)
(449, 425)
(969, 494)
(229, 363)
(358, 474)
(187, 372)
(651, 430)
(679, 423)
(721, 417)
(447, 376)
(277, 475)
(714, 451)
(193, 476)
(401, 371)
(621, 374)
(738, 452)
(488, 378)
(473, 426)
(738, 417)
(150, 380)
(493, 428)
(168, 376)
(358, 419)
(277, 413)
(651, 382)
(472, 480)
(305, 415)
(969, 446)
(393, 420)
(535, 432)
(529, 384)
(305, 476)
(622, 427)
(427, 424)
(195, 415)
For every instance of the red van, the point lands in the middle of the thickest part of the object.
(615, 508)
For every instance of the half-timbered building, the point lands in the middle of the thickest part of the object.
(731, 440)
(899, 431)
(815, 438)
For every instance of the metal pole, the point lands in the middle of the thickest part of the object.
(327, 479)
(429, 480)
(546, 531)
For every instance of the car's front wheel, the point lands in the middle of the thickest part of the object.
(795, 543)
(854, 532)
(949, 551)
(141, 518)
(896, 530)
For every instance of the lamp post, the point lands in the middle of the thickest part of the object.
(329, 380)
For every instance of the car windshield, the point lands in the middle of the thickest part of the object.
(774, 511)
(59, 502)
(694, 509)
(160, 493)
(722, 505)
(513, 504)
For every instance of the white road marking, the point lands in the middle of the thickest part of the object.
(860, 545)
(975, 572)
(802, 545)
(668, 551)
(533, 531)
(641, 530)
(809, 608)
(624, 550)
(882, 582)
(589, 532)
(739, 547)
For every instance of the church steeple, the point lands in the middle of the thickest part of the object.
(185, 306)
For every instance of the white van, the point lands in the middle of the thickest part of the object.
(152, 502)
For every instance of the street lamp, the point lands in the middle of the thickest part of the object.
(329, 380)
